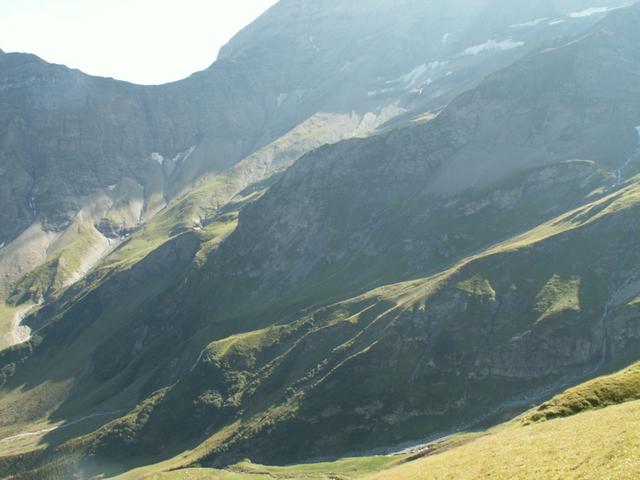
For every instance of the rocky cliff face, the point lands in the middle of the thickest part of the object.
(68, 135)
(86, 161)
(415, 182)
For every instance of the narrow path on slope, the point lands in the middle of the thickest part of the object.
(61, 426)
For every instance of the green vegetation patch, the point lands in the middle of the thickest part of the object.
(477, 286)
(558, 295)
(613, 389)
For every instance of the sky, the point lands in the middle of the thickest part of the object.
(141, 41)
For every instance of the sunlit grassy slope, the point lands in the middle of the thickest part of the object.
(341, 469)
(257, 357)
(602, 392)
(600, 444)
(598, 438)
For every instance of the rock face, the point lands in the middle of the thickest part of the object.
(379, 290)
(506, 126)
(67, 135)
(85, 162)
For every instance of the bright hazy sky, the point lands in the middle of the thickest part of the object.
(142, 41)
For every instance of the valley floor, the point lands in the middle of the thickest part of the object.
(598, 444)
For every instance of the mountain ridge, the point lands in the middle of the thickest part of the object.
(369, 293)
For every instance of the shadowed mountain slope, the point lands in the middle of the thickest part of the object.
(378, 291)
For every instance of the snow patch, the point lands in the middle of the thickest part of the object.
(281, 98)
(531, 23)
(373, 93)
(592, 11)
(112, 187)
(414, 75)
(32, 206)
(445, 38)
(1, 245)
(155, 156)
(184, 156)
(410, 79)
(638, 132)
(556, 22)
(313, 43)
(492, 45)
(300, 93)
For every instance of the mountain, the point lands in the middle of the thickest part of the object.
(579, 440)
(469, 256)
(578, 443)
(88, 160)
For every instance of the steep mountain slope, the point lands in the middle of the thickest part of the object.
(305, 369)
(388, 202)
(85, 161)
(589, 446)
(378, 291)
(600, 443)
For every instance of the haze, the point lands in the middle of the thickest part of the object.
(110, 39)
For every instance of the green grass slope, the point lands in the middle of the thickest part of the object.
(602, 392)
(371, 296)
(595, 445)
(370, 371)
(597, 441)
(349, 468)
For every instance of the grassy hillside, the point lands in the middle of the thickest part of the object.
(349, 468)
(527, 313)
(359, 304)
(594, 445)
(602, 392)
(598, 440)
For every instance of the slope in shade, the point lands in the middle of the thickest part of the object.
(250, 347)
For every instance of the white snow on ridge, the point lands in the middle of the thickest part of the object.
(183, 156)
(413, 76)
(373, 93)
(638, 130)
(531, 23)
(445, 38)
(593, 11)
(112, 187)
(157, 157)
(1, 245)
(409, 80)
(492, 45)
(574, 15)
